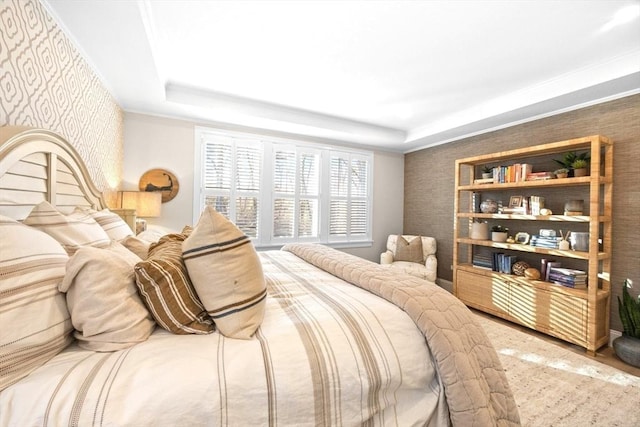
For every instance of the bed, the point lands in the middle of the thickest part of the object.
(337, 340)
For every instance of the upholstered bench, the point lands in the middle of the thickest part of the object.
(415, 255)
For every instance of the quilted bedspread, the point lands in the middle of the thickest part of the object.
(475, 384)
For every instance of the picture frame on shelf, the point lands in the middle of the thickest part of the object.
(515, 201)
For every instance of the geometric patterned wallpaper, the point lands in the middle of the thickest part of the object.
(45, 83)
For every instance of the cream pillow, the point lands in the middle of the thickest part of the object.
(138, 246)
(71, 231)
(227, 274)
(103, 299)
(111, 223)
(35, 324)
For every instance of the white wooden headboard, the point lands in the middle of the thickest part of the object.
(37, 165)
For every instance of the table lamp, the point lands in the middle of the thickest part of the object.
(146, 204)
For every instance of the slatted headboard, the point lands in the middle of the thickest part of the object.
(37, 165)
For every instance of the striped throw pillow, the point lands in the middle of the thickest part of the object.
(227, 274)
(111, 223)
(164, 285)
(72, 231)
(35, 324)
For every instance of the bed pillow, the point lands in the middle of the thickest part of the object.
(165, 288)
(73, 231)
(35, 324)
(111, 223)
(138, 246)
(106, 310)
(227, 274)
(409, 251)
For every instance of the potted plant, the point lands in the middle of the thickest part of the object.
(499, 233)
(561, 173)
(487, 172)
(627, 346)
(567, 160)
(580, 167)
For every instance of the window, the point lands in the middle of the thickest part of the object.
(279, 191)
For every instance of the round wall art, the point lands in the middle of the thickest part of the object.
(160, 180)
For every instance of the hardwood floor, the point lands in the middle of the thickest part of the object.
(605, 355)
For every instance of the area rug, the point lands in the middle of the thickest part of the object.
(555, 386)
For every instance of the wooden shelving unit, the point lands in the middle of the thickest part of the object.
(579, 316)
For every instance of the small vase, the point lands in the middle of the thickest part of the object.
(499, 236)
(628, 349)
(580, 172)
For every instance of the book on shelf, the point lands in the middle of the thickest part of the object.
(520, 210)
(537, 176)
(544, 242)
(536, 203)
(569, 272)
(502, 263)
(550, 266)
(483, 181)
(567, 279)
(568, 285)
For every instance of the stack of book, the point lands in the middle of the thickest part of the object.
(568, 277)
(482, 261)
(550, 242)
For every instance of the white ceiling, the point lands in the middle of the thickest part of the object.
(397, 75)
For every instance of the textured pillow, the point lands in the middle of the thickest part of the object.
(103, 299)
(34, 321)
(72, 231)
(409, 251)
(111, 223)
(227, 274)
(165, 287)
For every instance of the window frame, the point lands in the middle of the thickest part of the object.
(267, 192)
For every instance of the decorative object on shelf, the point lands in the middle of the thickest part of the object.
(515, 201)
(561, 173)
(570, 158)
(546, 212)
(573, 207)
(487, 172)
(522, 238)
(146, 205)
(563, 244)
(519, 268)
(489, 206)
(579, 241)
(480, 230)
(627, 346)
(160, 180)
(579, 167)
(499, 233)
(532, 273)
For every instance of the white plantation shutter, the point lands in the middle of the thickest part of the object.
(349, 207)
(296, 188)
(284, 191)
(232, 180)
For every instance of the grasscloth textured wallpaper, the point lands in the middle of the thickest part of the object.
(429, 179)
(46, 83)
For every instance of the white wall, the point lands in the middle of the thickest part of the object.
(156, 142)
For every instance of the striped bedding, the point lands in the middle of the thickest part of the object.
(327, 353)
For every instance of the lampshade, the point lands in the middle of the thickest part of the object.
(146, 203)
